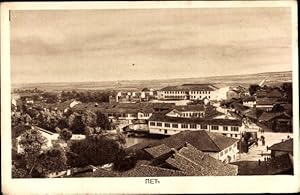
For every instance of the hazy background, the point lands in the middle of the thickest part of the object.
(103, 45)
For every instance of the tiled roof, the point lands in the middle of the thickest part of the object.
(157, 151)
(269, 93)
(43, 130)
(195, 162)
(249, 98)
(266, 116)
(190, 108)
(239, 106)
(190, 87)
(123, 107)
(286, 146)
(151, 171)
(202, 140)
(221, 141)
(164, 118)
(252, 113)
(266, 101)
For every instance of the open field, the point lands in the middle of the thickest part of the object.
(231, 80)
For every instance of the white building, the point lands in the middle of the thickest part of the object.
(50, 137)
(188, 111)
(188, 92)
(166, 125)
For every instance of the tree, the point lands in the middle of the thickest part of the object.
(102, 121)
(62, 123)
(253, 89)
(94, 150)
(278, 108)
(18, 172)
(124, 162)
(77, 125)
(31, 141)
(65, 134)
(19, 129)
(51, 160)
(89, 118)
(288, 91)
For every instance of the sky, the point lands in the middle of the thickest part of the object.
(139, 44)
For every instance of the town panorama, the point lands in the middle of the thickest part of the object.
(151, 93)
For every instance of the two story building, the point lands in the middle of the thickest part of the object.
(167, 125)
(187, 92)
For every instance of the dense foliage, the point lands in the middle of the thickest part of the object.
(94, 150)
(86, 96)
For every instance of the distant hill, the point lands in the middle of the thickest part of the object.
(220, 81)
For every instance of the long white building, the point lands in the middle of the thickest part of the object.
(167, 125)
(191, 92)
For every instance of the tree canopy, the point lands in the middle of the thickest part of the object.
(94, 150)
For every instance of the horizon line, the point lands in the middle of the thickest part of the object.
(226, 75)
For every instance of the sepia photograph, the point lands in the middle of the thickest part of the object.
(151, 92)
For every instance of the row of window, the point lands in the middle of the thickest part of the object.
(174, 92)
(192, 126)
(194, 97)
(166, 131)
(227, 150)
(174, 97)
(122, 115)
(200, 92)
(192, 114)
(225, 128)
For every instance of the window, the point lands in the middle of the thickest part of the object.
(215, 127)
(193, 126)
(234, 129)
(226, 151)
(152, 123)
(167, 125)
(221, 153)
(225, 128)
(175, 125)
(230, 149)
(159, 124)
(166, 131)
(203, 126)
(184, 125)
(236, 135)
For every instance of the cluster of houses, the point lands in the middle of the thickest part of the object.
(182, 92)
(132, 96)
(268, 109)
(201, 139)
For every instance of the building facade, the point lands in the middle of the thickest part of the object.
(187, 92)
(166, 125)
